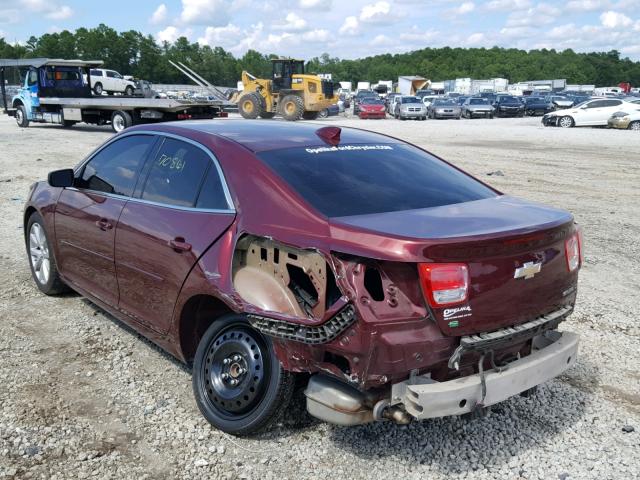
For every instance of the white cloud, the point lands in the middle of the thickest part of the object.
(541, 14)
(612, 19)
(9, 15)
(205, 12)
(159, 15)
(50, 9)
(381, 40)
(466, 7)
(418, 36)
(292, 23)
(351, 26)
(226, 36)
(172, 33)
(476, 38)
(379, 12)
(317, 35)
(508, 5)
(316, 4)
(586, 5)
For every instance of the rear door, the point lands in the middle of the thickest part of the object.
(180, 209)
(86, 215)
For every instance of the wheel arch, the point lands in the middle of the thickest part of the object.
(197, 315)
(17, 102)
(30, 210)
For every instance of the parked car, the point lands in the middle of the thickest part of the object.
(477, 107)
(268, 254)
(360, 96)
(489, 96)
(410, 107)
(330, 111)
(110, 81)
(144, 89)
(425, 91)
(535, 105)
(508, 106)
(444, 108)
(560, 102)
(588, 114)
(371, 108)
(389, 103)
(628, 120)
(428, 99)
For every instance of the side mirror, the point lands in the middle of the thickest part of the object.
(61, 178)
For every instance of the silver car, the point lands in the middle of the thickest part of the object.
(444, 108)
(477, 107)
(409, 107)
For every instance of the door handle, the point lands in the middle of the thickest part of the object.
(179, 245)
(104, 224)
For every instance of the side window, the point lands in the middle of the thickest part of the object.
(32, 78)
(595, 104)
(212, 194)
(96, 73)
(111, 74)
(115, 168)
(176, 174)
(611, 103)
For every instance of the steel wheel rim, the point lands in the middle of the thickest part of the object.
(118, 123)
(290, 107)
(19, 116)
(39, 253)
(235, 371)
(247, 106)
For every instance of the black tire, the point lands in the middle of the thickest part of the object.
(292, 108)
(263, 389)
(312, 115)
(54, 284)
(21, 117)
(128, 91)
(323, 113)
(635, 125)
(250, 106)
(267, 115)
(97, 89)
(120, 120)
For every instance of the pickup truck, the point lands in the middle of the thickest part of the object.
(110, 81)
(60, 92)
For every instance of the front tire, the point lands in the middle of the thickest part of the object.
(634, 126)
(21, 117)
(128, 91)
(44, 269)
(292, 108)
(238, 382)
(97, 89)
(250, 106)
(566, 122)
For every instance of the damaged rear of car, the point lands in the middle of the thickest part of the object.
(432, 294)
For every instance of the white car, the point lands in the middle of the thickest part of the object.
(591, 113)
(110, 81)
(428, 99)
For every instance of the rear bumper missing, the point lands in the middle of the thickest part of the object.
(424, 398)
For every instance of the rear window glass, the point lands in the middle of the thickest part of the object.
(365, 179)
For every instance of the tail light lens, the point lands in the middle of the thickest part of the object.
(444, 283)
(573, 250)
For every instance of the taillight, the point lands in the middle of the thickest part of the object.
(573, 250)
(444, 283)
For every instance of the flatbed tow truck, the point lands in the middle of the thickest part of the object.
(60, 92)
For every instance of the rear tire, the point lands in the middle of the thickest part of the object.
(120, 120)
(292, 108)
(250, 106)
(323, 113)
(21, 117)
(44, 269)
(238, 382)
(313, 115)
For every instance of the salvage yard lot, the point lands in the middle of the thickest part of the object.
(83, 396)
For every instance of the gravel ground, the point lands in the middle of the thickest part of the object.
(83, 396)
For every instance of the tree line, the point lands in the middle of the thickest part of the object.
(132, 53)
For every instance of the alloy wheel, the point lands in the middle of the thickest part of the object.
(39, 253)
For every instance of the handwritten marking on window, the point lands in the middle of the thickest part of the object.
(172, 163)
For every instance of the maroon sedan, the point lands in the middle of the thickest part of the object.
(392, 283)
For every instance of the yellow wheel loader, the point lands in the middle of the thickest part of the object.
(290, 93)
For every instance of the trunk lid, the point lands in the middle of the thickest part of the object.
(494, 238)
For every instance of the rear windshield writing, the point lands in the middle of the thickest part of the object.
(365, 179)
(346, 148)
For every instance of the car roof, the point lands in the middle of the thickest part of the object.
(262, 135)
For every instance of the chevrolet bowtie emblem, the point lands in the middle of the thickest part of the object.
(528, 270)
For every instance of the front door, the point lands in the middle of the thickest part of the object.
(180, 209)
(86, 215)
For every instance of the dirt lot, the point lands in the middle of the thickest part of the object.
(82, 396)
